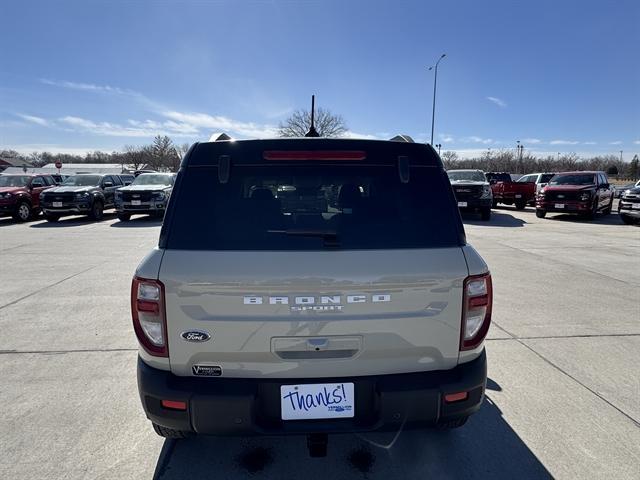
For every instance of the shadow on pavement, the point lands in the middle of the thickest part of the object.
(486, 447)
(71, 221)
(612, 219)
(498, 219)
(138, 222)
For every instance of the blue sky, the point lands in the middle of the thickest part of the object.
(560, 76)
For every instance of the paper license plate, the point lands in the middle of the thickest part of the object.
(462, 204)
(321, 400)
(518, 195)
(135, 202)
(559, 205)
(57, 204)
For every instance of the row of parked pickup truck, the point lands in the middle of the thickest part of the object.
(23, 196)
(584, 193)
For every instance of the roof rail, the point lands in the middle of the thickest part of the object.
(402, 138)
(219, 137)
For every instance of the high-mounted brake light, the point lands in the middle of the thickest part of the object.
(476, 310)
(148, 314)
(338, 155)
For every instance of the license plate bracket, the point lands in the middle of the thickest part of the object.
(462, 204)
(57, 204)
(136, 202)
(559, 205)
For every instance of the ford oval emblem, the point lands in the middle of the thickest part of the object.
(195, 336)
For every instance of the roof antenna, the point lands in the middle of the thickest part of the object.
(312, 131)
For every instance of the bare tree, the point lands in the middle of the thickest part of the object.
(326, 123)
(135, 157)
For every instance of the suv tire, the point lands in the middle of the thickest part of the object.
(485, 213)
(124, 217)
(607, 210)
(22, 212)
(627, 219)
(169, 432)
(97, 210)
(593, 212)
(540, 213)
(450, 424)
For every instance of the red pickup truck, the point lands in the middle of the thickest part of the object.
(506, 191)
(20, 194)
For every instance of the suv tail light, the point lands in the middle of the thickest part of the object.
(476, 310)
(148, 313)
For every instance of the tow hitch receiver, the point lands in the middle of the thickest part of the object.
(317, 444)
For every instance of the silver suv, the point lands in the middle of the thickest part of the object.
(311, 286)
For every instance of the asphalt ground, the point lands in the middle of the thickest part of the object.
(563, 391)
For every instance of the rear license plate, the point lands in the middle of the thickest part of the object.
(321, 400)
(518, 195)
(462, 204)
(559, 205)
(57, 204)
(136, 202)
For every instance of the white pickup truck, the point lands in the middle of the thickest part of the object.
(311, 286)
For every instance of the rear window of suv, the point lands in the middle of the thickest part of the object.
(312, 207)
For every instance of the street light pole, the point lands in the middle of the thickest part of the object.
(438, 146)
(621, 155)
(435, 83)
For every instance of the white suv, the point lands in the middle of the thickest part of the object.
(311, 286)
(540, 179)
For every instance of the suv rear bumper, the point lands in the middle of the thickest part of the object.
(234, 406)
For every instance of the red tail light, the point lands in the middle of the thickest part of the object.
(314, 155)
(476, 310)
(148, 313)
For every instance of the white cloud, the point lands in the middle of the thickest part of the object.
(498, 101)
(531, 140)
(26, 149)
(364, 136)
(33, 119)
(476, 139)
(618, 142)
(91, 87)
(590, 143)
(220, 123)
(637, 142)
(446, 138)
(564, 142)
(148, 128)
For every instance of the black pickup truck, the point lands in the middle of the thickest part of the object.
(472, 191)
(82, 194)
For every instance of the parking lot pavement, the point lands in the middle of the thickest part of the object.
(562, 391)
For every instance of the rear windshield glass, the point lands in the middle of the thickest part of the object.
(499, 177)
(573, 179)
(311, 208)
(466, 176)
(154, 179)
(83, 180)
(545, 178)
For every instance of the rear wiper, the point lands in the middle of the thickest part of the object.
(330, 237)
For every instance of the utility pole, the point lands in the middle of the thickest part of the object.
(519, 149)
(621, 155)
(435, 83)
